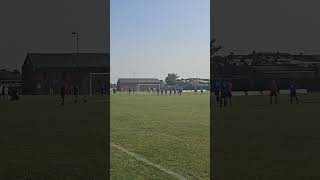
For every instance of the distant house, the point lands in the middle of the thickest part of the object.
(138, 84)
(11, 78)
(42, 71)
(7, 76)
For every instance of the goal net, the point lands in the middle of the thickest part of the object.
(148, 87)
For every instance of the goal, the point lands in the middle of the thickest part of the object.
(98, 79)
(140, 87)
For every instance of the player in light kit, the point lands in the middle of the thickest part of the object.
(273, 91)
(6, 92)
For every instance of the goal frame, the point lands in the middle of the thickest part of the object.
(90, 80)
(138, 86)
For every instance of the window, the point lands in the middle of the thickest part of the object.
(44, 76)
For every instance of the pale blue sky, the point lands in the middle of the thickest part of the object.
(152, 38)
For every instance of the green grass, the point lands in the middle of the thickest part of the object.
(256, 139)
(40, 139)
(172, 131)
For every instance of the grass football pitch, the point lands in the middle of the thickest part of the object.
(256, 140)
(40, 140)
(169, 131)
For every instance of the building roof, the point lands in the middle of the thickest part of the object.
(69, 59)
(139, 80)
(8, 75)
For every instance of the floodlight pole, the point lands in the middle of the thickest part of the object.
(90, 85)
(77, 53)
(77, 42)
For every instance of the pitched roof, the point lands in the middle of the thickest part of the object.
(139, 80)
(8, 75)
(69, 59)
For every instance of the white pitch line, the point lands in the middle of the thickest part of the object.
(157, 166)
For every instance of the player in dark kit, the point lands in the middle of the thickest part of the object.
(75, 93)
(63, 93)
(217, 91)
(180, 91)
(293, 92)
(224, 91)
(273, 91)
(229, 93)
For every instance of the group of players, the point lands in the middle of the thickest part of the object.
(4, 92)
(293, 92)
(75, 93)
(8, 92)
(165, 91)
(223, 91)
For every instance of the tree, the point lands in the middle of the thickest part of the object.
(171, 79)
(213, 48)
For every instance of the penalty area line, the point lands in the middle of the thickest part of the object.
(146, 161)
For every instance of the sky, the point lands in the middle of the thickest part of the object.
(151, 38)
(267, 25)
(46, 26)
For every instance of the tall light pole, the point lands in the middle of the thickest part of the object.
(76, 34)
(77, 42)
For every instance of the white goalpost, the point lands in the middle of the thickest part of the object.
(91, 75)
(158, 85)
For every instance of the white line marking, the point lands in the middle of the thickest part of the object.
(157, 166)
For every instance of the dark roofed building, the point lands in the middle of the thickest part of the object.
(42, 71)
(9, 76)
(138, 84)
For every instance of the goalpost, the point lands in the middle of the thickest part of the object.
(93, 74)
(158, 85)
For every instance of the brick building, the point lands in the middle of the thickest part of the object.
(42, 71)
